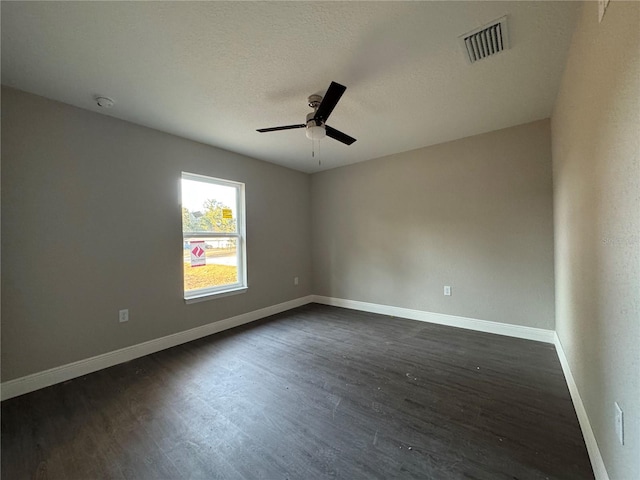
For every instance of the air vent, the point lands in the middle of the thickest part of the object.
(486, 41)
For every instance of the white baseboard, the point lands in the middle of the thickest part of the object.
(597, 463)
(518, 331)
(36, 381)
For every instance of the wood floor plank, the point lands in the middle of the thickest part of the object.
(315, 392)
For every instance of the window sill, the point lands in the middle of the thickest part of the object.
(211, 296)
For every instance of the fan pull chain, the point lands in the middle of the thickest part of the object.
(313, 150)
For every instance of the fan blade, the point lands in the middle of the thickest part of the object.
(338, 135)
(329, 101)
(285, 127)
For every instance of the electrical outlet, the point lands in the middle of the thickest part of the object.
(447, 290)
(123, 315)
(295, 280)
(619, 423)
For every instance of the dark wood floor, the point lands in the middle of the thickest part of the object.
(316, 392)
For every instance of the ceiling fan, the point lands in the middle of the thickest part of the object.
(322, 108)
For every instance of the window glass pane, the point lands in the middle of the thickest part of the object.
(213, 236)
(209, 207)
(210, 262)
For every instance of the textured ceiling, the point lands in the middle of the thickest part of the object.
(216, 71)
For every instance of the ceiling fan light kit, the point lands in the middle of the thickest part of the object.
(314, 131)
(315, 125)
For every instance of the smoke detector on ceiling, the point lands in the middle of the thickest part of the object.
(486, 41)
(104, 102)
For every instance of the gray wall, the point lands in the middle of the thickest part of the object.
(91, 223)
(476, 214)
(596, 164)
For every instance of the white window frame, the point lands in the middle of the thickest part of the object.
(208, 293)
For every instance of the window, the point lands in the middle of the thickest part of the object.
(213, 234)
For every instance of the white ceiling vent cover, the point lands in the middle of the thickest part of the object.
(487, 40)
